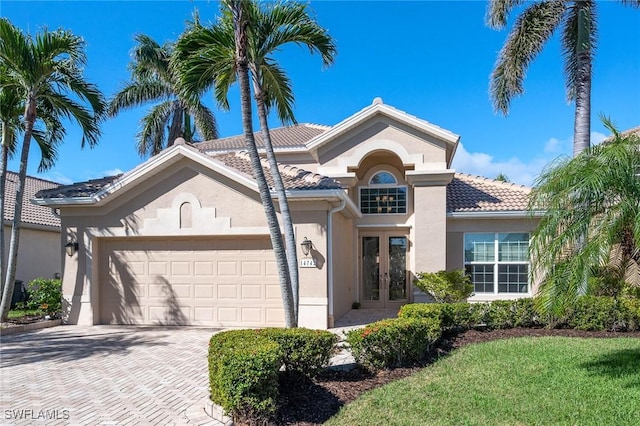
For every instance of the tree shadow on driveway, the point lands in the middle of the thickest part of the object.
(72, 345)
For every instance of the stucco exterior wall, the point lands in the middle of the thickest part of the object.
(344, 263)
(429, 234)
(39, 253)
(362, 139)
(456, 228)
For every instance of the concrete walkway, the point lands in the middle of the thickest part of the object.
(117, 375)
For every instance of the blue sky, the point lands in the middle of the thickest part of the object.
(431, 59)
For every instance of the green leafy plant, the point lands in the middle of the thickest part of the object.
(46, 295)
(445, 286)
(303, 351)
(243, 374)
(394, 342)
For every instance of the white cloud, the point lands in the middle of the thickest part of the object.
(597, 138)
(517, 170)
(112, 172)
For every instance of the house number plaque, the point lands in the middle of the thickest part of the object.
(308, 263)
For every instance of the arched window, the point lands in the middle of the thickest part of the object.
(383, 195)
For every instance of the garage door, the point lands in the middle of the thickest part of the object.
(214, 282)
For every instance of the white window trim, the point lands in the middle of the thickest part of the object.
(384, 185)
(496, 264)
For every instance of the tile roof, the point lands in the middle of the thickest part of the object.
(293, 177)
(77, 190)
(467, 193)
(31, 213)
(282, 137)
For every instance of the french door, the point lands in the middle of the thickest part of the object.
(383, 269)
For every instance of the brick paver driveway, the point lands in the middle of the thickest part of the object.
(104, 375)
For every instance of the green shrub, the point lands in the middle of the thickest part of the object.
(394, 342)
(46, 295)
(303, 351)
(603, 313)
(445, 286)
(630, 313)
(243, 374)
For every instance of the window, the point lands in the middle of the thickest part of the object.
(383, 195)
(497, 263)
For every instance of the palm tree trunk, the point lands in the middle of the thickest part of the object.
(3, 185)
(12, 263)
(582, 122)
(265, 195)
(287, 223)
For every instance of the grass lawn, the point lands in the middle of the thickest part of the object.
(525, 381)
(19, 313)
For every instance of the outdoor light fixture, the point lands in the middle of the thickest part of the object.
(306, 245)
(71, 248)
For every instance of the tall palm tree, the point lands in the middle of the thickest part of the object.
(45, 71)
(239, 13)
(11, 107)
(577, 20)
(591, 220)
(206, 57)
(152, 80)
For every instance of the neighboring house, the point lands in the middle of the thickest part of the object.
(183, 239)
(39, 251)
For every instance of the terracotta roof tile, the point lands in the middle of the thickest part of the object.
(282, 137)
(31, 213)
(293, 177)
(467, 193)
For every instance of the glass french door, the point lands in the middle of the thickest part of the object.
(383, 269)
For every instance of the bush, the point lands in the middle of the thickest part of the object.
(46, 295)
(243, 374)
(445, 286)
(303, 351)
(599, 313)
(394, 342)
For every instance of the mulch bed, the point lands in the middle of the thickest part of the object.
(313, 402)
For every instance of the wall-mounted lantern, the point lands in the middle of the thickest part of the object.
(71, 248)
(306, 245)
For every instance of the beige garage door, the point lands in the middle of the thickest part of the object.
(215, 282)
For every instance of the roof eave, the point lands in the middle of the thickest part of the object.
(496, 214)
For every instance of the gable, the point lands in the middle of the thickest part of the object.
(420, 144)
(183, 199)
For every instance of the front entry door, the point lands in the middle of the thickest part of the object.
(383, 269)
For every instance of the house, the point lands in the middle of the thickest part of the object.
(183, 239)
(39, 253)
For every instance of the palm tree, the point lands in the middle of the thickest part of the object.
(152, 80)
(239, 9)
(11, 107)
(45, 71)
(591, 221)
(577, 20)
(206, 57)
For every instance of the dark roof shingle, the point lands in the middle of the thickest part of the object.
(77, 190)
(31, 213)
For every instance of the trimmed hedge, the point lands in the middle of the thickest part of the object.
(243, 373)
(244, 366)
(394, 342)
(302, 350)
(595, 313)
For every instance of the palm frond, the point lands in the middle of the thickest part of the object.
(498, 11)
(152, 134)
(205, 121)
(531, 31)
